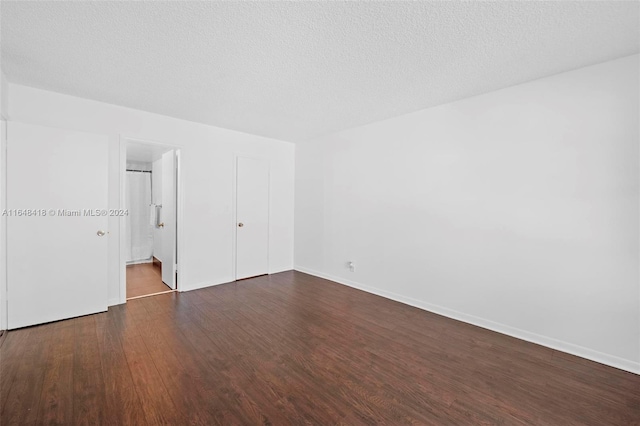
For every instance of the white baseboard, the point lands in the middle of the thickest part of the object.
(203, 285)
(277, 271)
(140, 262)
(590, 354)
(225, 281)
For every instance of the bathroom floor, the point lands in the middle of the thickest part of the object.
(144, 279)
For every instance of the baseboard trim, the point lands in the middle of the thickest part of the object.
(206, 284)
(570, 348)
(279, 271)
(139, 262)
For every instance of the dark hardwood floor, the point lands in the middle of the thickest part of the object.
(294, 349)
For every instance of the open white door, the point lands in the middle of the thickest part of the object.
(57, 237)
(252, 218)
(168, 213)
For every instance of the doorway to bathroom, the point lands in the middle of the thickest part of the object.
(151, 221)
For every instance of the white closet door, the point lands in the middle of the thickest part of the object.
(57, 257)
(252, 214)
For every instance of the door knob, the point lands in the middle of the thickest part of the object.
(100, 233)
(240, 225)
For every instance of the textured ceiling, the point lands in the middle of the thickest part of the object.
(294, 70)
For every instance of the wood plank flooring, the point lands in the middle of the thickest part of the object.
(143, 279)
(294, 349)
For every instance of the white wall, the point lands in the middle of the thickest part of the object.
(4, 96)
(207, 173)
(138, 165)
(516, 210)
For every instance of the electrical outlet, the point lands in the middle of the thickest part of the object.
(352, 266)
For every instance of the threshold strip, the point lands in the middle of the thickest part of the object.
(152, 294)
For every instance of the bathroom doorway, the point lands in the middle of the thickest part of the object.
(151, 223)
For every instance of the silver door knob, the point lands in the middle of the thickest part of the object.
(100, 233)
(240, 225)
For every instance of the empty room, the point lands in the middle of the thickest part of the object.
(320, 212)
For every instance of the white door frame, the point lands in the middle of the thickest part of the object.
(234, 211)
(122, 264)
(4, 311)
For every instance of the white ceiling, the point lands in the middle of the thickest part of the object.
(295, 70)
